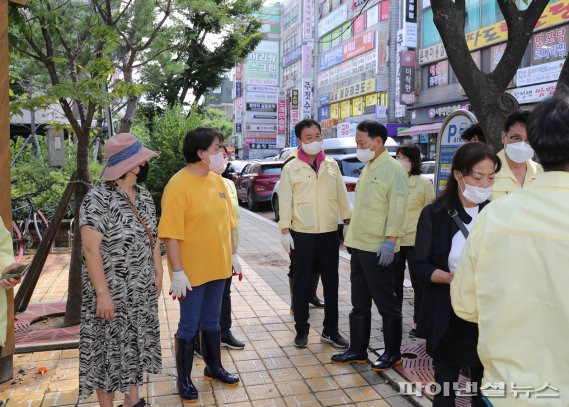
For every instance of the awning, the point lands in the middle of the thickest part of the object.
(421, 129)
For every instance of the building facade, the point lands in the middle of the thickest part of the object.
(256, 91)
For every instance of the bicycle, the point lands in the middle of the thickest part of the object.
(24, 215)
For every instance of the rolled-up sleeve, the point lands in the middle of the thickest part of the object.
(463, 285)
(395, 225)
(285, 199)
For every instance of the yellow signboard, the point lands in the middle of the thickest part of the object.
(371, 100)
(335, 111)
(345, 109)
(354, 90)
(554, 14)
(357, 106)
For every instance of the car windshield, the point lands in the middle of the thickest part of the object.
(351, 167)
(427, 168)
(271, 169)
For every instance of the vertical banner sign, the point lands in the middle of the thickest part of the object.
(281, 124)
(307, 59)
(410, 24)
(307, 98)
(407, 77)
(238, 72)
(308, 23)
(399, 108)
(294, 99)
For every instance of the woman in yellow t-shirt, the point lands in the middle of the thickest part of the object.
(196, 222)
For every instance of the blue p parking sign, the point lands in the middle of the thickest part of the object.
(448, 141)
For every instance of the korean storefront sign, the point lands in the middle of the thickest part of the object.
(331, 58)
(345, 109)
(357, 106)
(359, 24)
(307, 59)
(306, 98)
(281, 120)
(438, 74)
(308, 20)
(358, 45)
(294, 99)
(262, 65)
(357, 89)
(335, 111)
(534, 93)
(549, 45)
(261, 107)
(407, 77)
(292, 56)
(554, 14)
(539, 73)
(333, 20)
(323, 113)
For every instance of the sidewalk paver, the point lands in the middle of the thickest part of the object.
(273, 372)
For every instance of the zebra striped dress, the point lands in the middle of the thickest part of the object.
(114, 354)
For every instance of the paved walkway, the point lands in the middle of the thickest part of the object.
(273, 372)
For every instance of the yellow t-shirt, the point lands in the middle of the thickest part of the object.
(197, 211)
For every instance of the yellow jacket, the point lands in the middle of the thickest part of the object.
(232, 190)
(6, 258)
(380, 206)
(310, 203)
(512, 280)
(506, 182)
(421, 193)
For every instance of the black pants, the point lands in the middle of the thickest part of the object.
(449, 374)
(370, 282)
(315, 251)
(406, 254)
(225, 316)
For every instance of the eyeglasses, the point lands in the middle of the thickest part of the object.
(516, 138)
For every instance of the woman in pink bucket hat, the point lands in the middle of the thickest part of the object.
(122, 278)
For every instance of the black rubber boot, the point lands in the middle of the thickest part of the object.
(360, 329)
(314, 300)
(184, 350)
(290, 281)
(392, 332)
(211, 352)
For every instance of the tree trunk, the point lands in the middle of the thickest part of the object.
(128, 118)
(73, 307)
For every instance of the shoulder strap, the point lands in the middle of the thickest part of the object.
(131, 206)
(454, 215)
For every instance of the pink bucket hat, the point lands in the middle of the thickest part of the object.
(124, 152)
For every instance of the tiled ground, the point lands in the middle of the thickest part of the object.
(272, 371)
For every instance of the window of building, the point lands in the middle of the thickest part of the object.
(346, 30)
(491, 13)
(472, 22)
(430, 34)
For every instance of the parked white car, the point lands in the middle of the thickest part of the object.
(428, 170)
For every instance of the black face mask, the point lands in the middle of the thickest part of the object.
(142, 174)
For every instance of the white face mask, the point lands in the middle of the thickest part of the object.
(313, 148)
(519, 152)
(222, 168)
(216, 161)
(473, 194)
(365, 154)
(406, 165)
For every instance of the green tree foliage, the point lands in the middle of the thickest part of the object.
(214, 35)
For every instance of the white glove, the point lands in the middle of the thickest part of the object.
(237, 271)
(179, 285)
(287, 242)
(345, 231)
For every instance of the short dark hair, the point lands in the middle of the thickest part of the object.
(548, 133)
(303, 124)
(411, 151)
(465, 158)
(199, 139)
(474, 130)
(373, 129)
(521, 117)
